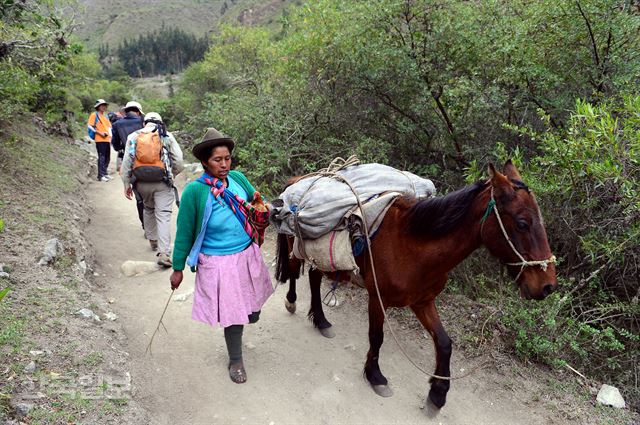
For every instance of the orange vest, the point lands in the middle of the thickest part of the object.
(102, 126)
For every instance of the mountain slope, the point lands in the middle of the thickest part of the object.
(101, 22)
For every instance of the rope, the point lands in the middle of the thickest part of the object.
(544, 264)
(331, 171)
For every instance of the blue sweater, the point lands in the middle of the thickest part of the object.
(224, 234)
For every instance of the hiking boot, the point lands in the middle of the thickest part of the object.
(109, 177)
(164, 260)
(154, 244)
(104, 179)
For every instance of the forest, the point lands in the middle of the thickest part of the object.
(163, 51)
(437, 87)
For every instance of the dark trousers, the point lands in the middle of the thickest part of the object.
(104, 156)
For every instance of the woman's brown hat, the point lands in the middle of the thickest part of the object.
(211, 139)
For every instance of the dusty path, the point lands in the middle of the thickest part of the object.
(295, 375)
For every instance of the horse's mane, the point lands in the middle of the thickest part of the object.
(438, 216)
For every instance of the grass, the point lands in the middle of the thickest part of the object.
(92, 359)
(59, 414)
(40, 183)
(11, 331)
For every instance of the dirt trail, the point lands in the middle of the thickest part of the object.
(294, 374)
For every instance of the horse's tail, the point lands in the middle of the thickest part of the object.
(282, 258)
(286, 267)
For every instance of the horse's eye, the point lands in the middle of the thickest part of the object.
(522, 225)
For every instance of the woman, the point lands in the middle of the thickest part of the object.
(232, 280)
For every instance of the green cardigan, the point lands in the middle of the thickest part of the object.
(191, 213)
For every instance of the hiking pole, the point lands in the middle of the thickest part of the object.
(148, 350)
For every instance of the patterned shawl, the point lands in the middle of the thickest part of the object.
(246, 214)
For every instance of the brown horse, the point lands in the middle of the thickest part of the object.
(420, 241)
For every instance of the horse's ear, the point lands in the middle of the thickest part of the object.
(511, 171)
(497, 178)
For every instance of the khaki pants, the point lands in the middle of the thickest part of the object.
(158, 200)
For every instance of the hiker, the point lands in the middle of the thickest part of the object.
(115, 116)
(99, 128)
(152, 158)
(232, 280)
(130, 122)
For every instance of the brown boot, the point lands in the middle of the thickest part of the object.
(154, 245)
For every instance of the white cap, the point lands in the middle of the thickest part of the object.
(100, 102)
(132, 104)
(152, 116)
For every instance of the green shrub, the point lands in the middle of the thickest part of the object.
(587, 181)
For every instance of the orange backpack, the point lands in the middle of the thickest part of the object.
(148, 165)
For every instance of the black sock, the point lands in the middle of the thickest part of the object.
(233, 338)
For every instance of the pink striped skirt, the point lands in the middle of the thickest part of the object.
(230, 287)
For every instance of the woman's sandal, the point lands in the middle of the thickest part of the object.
(237, 373)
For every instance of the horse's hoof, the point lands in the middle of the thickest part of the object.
(436, 399)
(291, 307)
(328, 332)
(382, 390)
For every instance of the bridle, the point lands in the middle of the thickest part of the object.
(544, 264)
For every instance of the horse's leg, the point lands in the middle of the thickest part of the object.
(428, 316)
(290, 301)
(316, 314)
(287, 269)
(376, 336)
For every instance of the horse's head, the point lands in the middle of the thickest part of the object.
(513, 231)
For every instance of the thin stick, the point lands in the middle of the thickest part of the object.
(148, 350)
(575, 371)
(482, 339)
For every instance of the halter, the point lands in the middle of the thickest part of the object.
(544, 264)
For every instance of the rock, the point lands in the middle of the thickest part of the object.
(250, 346)
(183, 297)
(30, 368)
(350, 347)
(50, 251)
(610, 396)
(87, 314)
(4, 274)
(22, 409)
(111, 300)
(139, 268)
(110, 316)
(83, 266)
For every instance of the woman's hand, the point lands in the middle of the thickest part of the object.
(175, 279)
